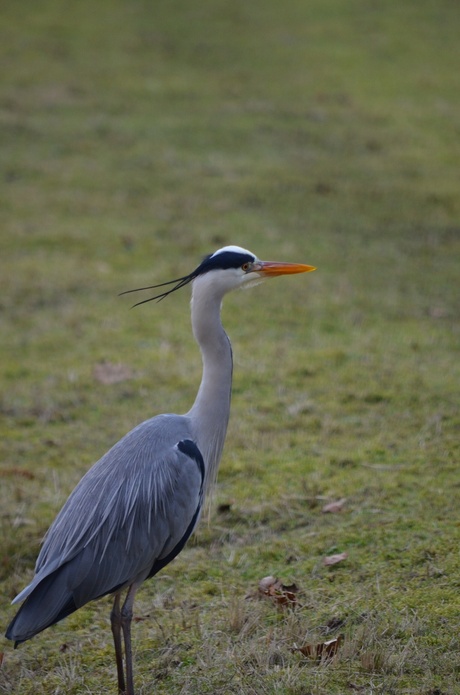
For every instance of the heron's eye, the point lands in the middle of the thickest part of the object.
(246, 267)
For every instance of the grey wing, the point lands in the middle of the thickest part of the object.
(153, 528)
(129, 515)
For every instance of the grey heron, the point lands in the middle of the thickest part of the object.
(135, 509)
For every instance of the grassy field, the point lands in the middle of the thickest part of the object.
(137, 137)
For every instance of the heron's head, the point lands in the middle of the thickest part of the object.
(232, 267)
(227, 269)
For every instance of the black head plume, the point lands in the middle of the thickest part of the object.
(228, 257)
(180, 282)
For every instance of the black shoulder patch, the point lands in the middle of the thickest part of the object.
(223, 261)
(190, 449)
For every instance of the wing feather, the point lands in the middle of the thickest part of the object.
(131, 508)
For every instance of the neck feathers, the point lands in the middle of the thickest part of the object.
(211, 410)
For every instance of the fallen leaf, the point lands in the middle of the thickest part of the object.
(266, 583)
(1, 658)
(334, 559)
(22, 472)
(334, 507)
(438, 312)
(281, 594)
(323, 651)
(112, 373)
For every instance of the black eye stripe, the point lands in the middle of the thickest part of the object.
(223, 261)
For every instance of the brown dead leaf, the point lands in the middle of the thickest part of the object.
(22, 472)
(334, 559)
(266, 583)
(1, 658)
(282, 594)
(111, 373)
(334, 507)
(321, 652)
(438, 312)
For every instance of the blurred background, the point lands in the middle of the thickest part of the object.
(137, 137)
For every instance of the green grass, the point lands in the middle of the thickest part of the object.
(136, 137)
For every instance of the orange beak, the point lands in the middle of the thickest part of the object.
(272, 268)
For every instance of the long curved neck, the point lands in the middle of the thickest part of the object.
(211, 410)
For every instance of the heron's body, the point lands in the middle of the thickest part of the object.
(106, 551)
(137, 506)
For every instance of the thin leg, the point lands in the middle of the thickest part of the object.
(126, 618)
(115, 619)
